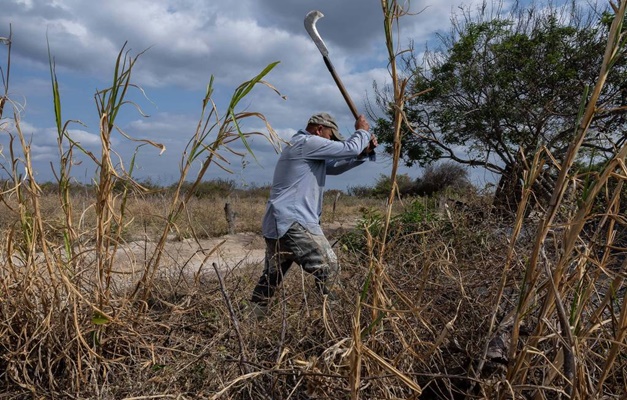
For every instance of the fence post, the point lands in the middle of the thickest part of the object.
(337, 197)
(230, 218)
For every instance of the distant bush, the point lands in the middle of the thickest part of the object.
(438, 177)
(255, 191)
(74, 188)
(212, 188)
(382, 187)
(360, 191)
(333, 193)
(151, 185)
(384, 184)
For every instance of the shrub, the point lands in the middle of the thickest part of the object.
(256, 191)
(360, 191)
(384, 184)
(417, 212)
(212, 188)
(438, 177)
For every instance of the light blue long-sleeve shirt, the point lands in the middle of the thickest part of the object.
(299, 179)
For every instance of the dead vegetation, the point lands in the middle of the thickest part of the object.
(444, 295)
(437, 301)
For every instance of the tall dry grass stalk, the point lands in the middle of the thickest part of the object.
(383, 311)
(428, 292)
(556, 283)
(66, 320)
(571, 300)
(201, 147)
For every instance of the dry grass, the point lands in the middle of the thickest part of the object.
(436, 302)
(193, 337)
(203, 217)
(180, 340)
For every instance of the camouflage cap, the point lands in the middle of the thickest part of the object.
(327, 120)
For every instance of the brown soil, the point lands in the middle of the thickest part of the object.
(191, 257)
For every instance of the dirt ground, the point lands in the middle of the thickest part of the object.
(190, 257)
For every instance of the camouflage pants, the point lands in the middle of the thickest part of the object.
(312, 252)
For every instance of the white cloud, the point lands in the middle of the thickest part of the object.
(85, 138)
(188, 41)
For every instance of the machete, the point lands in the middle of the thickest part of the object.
(310, 25)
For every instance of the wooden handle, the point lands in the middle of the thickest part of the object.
(340, 86)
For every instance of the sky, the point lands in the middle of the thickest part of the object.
(181, 45)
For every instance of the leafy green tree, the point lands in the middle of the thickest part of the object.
(502, 87)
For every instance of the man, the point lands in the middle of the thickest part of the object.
(291, 225)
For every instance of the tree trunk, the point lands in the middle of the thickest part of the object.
(508, 191)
